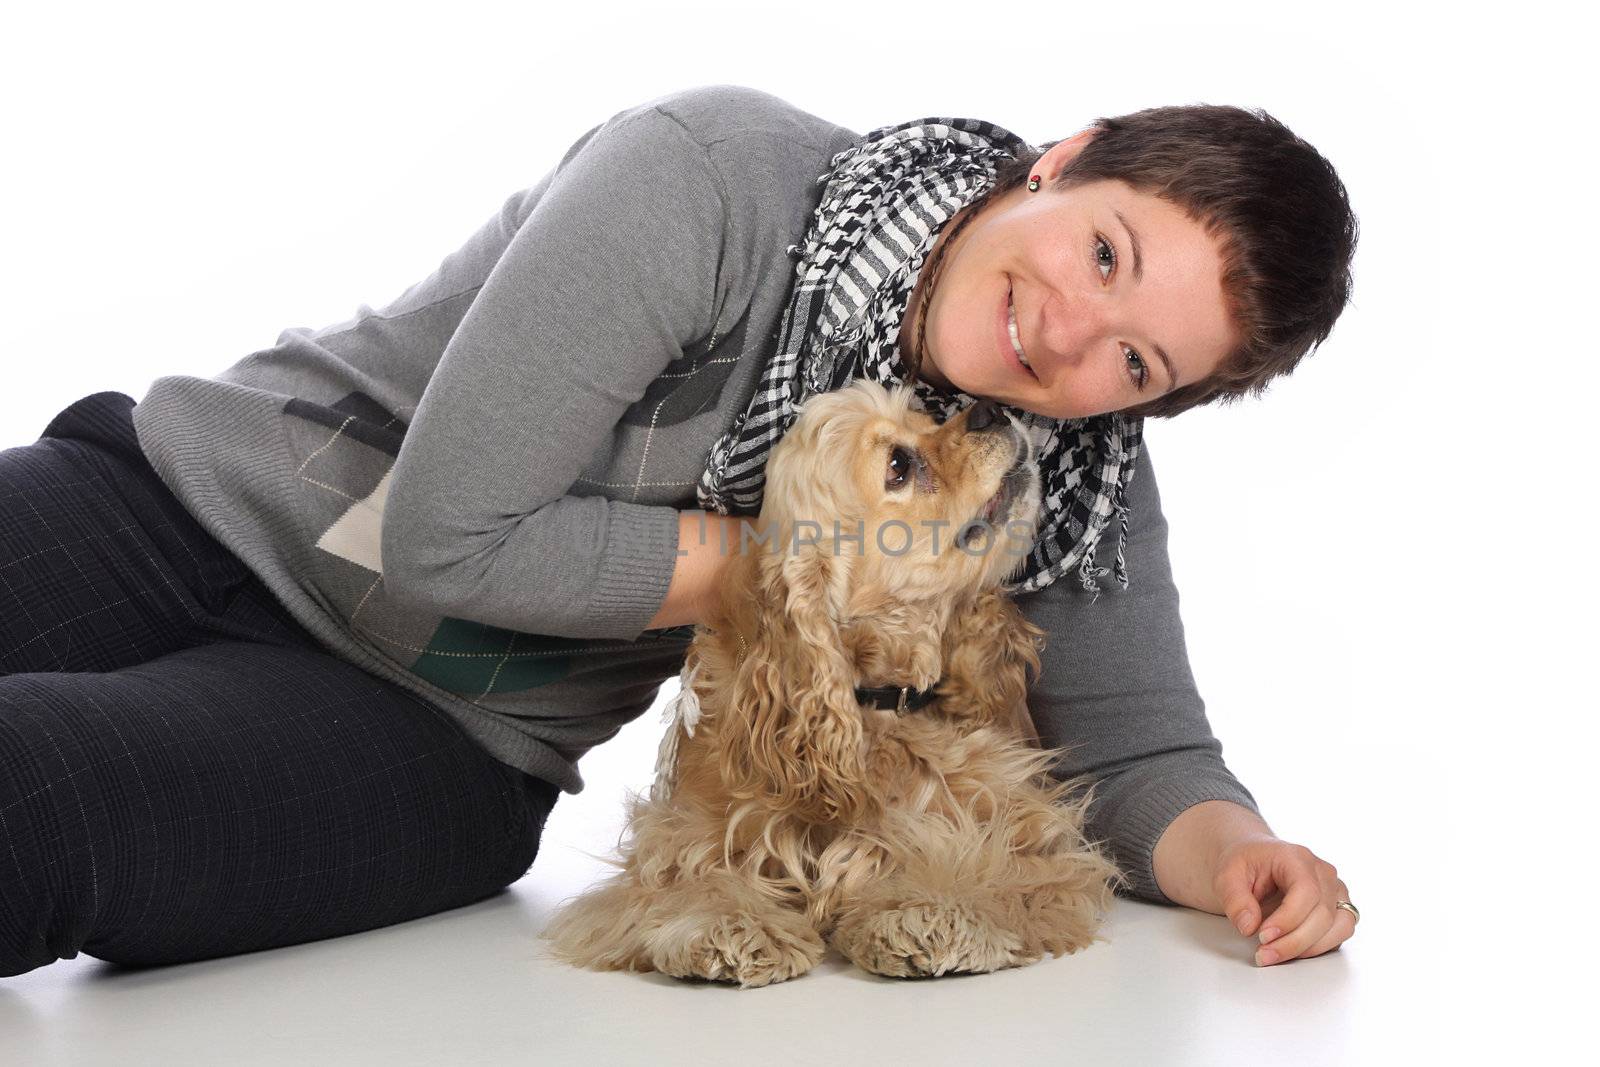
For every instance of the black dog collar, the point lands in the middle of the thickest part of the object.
(897, 698)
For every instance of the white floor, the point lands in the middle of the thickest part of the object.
(1171, 986)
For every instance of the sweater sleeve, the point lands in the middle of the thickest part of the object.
(611, 275)
(1116, 690)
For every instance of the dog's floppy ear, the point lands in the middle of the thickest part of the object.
(792, 734)
(989, 652)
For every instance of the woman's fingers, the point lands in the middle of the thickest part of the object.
(1320, 929)
(1239, 901)
(1244, 883)
(1344, 924)
(1292, 944)
(1302, 891)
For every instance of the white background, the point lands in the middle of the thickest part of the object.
(1385, 565)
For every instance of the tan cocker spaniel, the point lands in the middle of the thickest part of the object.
(792, 811)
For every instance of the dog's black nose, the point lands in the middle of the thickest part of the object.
(982, 415)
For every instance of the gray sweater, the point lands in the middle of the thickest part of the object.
(474, 490)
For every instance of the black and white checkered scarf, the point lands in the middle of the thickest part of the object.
(886, 199)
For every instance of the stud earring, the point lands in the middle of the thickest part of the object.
(1033, 183)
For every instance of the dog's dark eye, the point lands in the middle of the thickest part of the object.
(899, 468)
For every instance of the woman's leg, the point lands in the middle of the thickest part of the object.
(239, 796)
(102, 567)
(184, 772)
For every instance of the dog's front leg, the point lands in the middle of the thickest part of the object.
(970, 890)
(678, 906)
(718, 927)
(925, 910)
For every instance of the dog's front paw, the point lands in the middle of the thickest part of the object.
(752, 950)
(924, 940)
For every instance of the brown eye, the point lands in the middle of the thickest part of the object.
(899, 468)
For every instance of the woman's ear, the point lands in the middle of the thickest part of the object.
(991, 655)
(792, 735)
(1061, 154)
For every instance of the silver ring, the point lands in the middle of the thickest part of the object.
(1351, 908)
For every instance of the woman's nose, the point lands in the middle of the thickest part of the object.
(1068, 330)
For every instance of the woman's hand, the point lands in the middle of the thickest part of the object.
(707, 542)
(1296, 891)
(1221, 857)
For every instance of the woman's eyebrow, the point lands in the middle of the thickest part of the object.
(1138, 276)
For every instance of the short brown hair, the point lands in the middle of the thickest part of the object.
(1279, 211)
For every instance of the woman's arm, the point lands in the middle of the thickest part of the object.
(613, 272)
(1116, 689)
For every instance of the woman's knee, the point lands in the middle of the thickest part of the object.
(537, 798)
(53, 828)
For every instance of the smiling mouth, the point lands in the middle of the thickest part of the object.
(1011, 330)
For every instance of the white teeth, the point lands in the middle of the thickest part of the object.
(1011, 326)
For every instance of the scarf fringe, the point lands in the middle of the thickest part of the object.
(1087, 571)
(1124, 511)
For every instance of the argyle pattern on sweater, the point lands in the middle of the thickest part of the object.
(349, 453)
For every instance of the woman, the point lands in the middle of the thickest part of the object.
(312, 646)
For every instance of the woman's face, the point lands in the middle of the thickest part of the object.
(1104, 281)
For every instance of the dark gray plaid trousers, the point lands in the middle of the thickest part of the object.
(184, 771)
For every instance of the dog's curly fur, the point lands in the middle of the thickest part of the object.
(918, 844)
